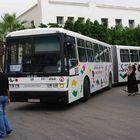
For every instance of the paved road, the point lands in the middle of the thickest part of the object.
(109, 115)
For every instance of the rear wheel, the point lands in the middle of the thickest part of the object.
(110, 82)
(86, 90)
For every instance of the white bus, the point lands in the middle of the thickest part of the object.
(122, 56)
(54, 64)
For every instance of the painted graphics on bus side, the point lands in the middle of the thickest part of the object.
(98, 79)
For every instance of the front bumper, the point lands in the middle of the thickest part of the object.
(47, 96)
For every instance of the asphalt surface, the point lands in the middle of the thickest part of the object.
(108, 115)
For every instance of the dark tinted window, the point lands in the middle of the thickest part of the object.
(124, 55)
(96, 53)
(134, 56)
(81, 50)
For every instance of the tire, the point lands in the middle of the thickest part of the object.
(110, 82)
(86, 90)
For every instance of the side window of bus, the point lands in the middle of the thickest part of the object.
(72, 56)
(139, 55)
(101, 53)
(81, 50)
(124, 55)
(90, 54)
(96, 53)
(107, 54)
(134, 55)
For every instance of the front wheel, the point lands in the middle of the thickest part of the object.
(86, 90)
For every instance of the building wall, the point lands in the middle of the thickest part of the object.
(46, 11)
(34, 14)
(53, 8)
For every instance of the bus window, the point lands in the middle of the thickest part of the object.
(19, 58)
(96, 53)
(88, 45)
(47, 54)
(82, 54)
(110, 57)
(81, 50)
(27, 57)
(72, 51)
(101, 53)
(72, 56)
(134, 55)
(139, 55)
(89, 51)
(80, 43)
(106, 53)
(124, 55)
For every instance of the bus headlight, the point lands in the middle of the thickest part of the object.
(61, 85)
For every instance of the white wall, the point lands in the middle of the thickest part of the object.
(51, 10)
(47, 10)
(33, 14)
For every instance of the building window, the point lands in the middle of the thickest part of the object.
(131, 23)
(71, 19)
(118, 22)
(104, 21)
(60, 20)
(32, 24)
(81, 19)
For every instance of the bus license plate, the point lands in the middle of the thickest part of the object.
(34, 100)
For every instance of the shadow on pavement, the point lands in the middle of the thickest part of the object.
(43, 106)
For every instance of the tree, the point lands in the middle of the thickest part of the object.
(115, 35)
(79, 26)
(53, 25)
(42, 25)
(69, 25)
(99, 31)
(8, 24)
(88, 28)
(136, 32)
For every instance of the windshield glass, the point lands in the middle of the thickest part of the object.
(38, 54)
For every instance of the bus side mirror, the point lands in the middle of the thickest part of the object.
(69, 45)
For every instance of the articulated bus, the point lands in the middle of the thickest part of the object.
(122, 56)
(54, 64)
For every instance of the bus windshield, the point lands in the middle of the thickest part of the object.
(36, 54)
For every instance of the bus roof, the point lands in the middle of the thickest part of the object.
(127, 47)
(40, 31)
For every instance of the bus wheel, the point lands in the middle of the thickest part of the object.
(86, 90)
(110, 81)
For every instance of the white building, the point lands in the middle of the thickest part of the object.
(58, 11)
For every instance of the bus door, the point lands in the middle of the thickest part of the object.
(74, 89)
